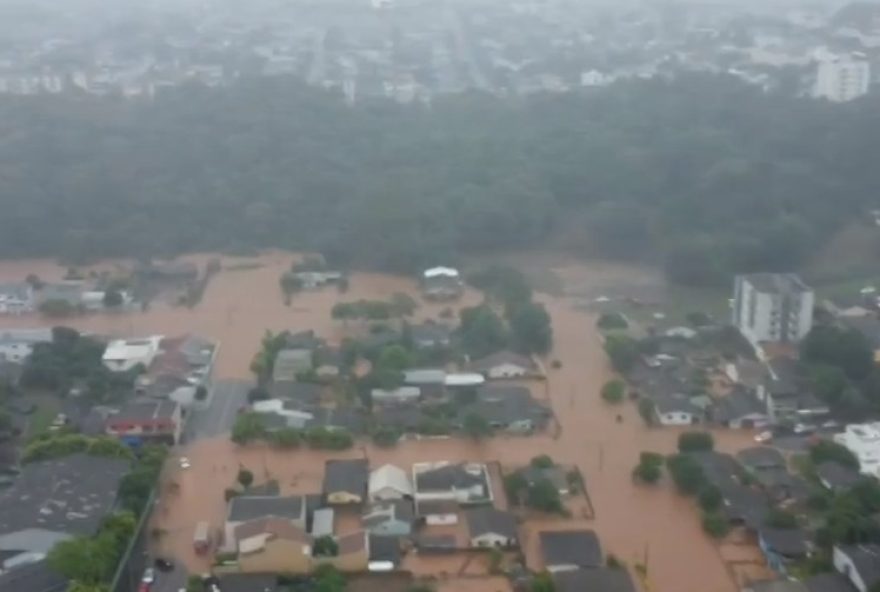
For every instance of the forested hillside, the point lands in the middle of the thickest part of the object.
(703, 174)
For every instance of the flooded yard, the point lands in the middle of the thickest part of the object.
(651, 526)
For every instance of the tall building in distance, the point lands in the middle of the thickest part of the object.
(841, 79)
(772, 307)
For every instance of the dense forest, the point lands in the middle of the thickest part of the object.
(703, 175)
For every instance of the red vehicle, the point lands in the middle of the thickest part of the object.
(202, 538)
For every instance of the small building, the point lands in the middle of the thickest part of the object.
(401, 394)
(424, 376)
(287, 412)
(781, 547)
(393, 517)
(389, 482)
(385, 553)
(568, 550)
(307, 394)
(16, 298)
(772, 307)
(430, 335)
(16, 345)
(488, 527)
(438, 512)
(600, 579)
(860, 564)
(248, 508)
(147, 421)
(322, 522)
(345, 481)
(290, 362)
(328, 362)
(555, 475)
(836, 477)
(675, 410)
(272, 545)
(460, 482)
(123, 355)
(863, 440)
(505, 364)
(441, 283)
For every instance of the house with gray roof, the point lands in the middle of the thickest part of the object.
(488, 527)
(345, 481)
(740, 408)
(390, 517)
(430, 334)
(675, 410)
(509, 408)
(459, 482)
(290, 362)
(836, 477)
(860, 564)
(16, 298)
(567, 550)
(600, 579)
(505, 364)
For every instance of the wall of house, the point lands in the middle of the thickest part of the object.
(492, 540)
(392, 528)
(560, 567)
(675, 419)
(348, 562)
(278, 556)
(441, 519)
(343, 497)
(385, 494)
(506, 371)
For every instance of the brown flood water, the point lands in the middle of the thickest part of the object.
(652, 526)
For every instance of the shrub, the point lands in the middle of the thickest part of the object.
(710, 498)
(386, 436)
(612, 320)
(695, 442)
(825, 451)
(715, 525)
(613, 391)
(542, 462)
(686, 473)
(650, 467)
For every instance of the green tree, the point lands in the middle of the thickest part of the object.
(542, 461)
(715, 525)
(543, 495)
(325, 546)
(710, 498)
(245, 477)
(328, 579)
(80, 587)
(194, 584)
(504, 284)
(695, 442)
(248, 427)
(394, 358)
(481, 331)
(610, 321)
(543, 582)
(686, 473)
(846, 349)
(647, 411)
(650, 467)
(828, 451)
(531, 329)
(622, 351)
(613, 391)
(285, 438)
(386, 436)
(476, 426)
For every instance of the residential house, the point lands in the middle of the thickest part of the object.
(488, 527)
(407, 418)
(775, 586)
(248, 508)
(863, 440)
(781, 547)
(430, 335)
(54, 500)
(788, 395)
(303, 394)
(569, 550)
(353, 553)
(290, 362)
(16, 298)
(345, 481)
(401, 394)
(742, 504)
(675, 410)
(70, 292)
(425, 377)
(389, 482)
(464, 483)
(123, 355)
(182, 365)
(600, 579)
(338, 418)
(147, 422)
(768, 467)
(505, 364)
(392, 517)
(509, 408)
(555, 475)
(288, 413)
(772, 307)
(310, 280)
(328, 362)
(441, 283)
(860, 564)
(16, 345)
(835, 477)
(322, 522)
(273, 545)
(740, 408)
(303, 340)
(438, 512)
(385, 553)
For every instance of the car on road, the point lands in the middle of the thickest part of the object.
(149, 576)
(763, 437)
(184, 462)
(803, 429)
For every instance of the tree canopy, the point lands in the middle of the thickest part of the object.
(627, 171)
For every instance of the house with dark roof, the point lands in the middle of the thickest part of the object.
(836, 477)
(783, 546)
(430, 335)
(828, 582)
(32, 577)
(788, 393)
(505, 364)
(328, 362)
(299, 393)
(154, 421)
(860, 564)
(247, 508)
(600, 579)
(345, 481)
(675, 410)
(742, 505)
(385, 553)
(740, 408)
(769, 468)
(555, 475)
(568, 550)
(488, 527)
(391, 517)
(509, 408)
(460, 482)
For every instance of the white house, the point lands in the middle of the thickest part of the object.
(122, 355)
(675, 410)
(402, 394)
(293, 417)
(389, 482)
(433, 272)
(16, 299)
(772, 307)
(16, 345)
(860, 564)
(863, 440)
(505, 364)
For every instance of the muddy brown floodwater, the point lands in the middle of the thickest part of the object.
(640, 525)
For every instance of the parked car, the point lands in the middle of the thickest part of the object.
(184, 463)
(763, 437)
(163, 564)
(803, 429)
(149, 576)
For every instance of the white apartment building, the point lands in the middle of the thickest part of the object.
(122, 355)
(772, 307)
(863, 440)
(842, 79)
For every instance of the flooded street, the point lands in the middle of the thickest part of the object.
(651, 526)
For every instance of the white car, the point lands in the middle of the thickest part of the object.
(763, 437)
(184, 463)
(803, 428)
(149, 576)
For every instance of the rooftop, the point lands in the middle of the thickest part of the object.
(571, 547)
(789, 542)
(600, 579)
(777, 283)
(33, 577)
(251, 507)
(349, 476)
(451, 476)
(70, 494)
(142, 411)
(866, 559)
(504, 357)
(488, 520)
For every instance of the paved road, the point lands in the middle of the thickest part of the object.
(217, 419)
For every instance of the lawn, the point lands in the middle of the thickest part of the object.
(46, 411)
